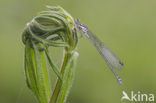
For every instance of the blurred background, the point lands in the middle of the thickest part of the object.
(127, 27)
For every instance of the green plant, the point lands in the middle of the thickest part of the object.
(50, 28)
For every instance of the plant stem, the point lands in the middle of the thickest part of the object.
(58, 85)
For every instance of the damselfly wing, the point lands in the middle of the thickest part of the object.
(110, 58)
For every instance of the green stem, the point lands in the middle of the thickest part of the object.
(58, 85)
(41, 74)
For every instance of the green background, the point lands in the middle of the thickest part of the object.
(127, 27)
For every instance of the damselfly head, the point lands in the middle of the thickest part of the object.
(81, 26)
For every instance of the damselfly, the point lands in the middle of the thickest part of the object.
(112, 61)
